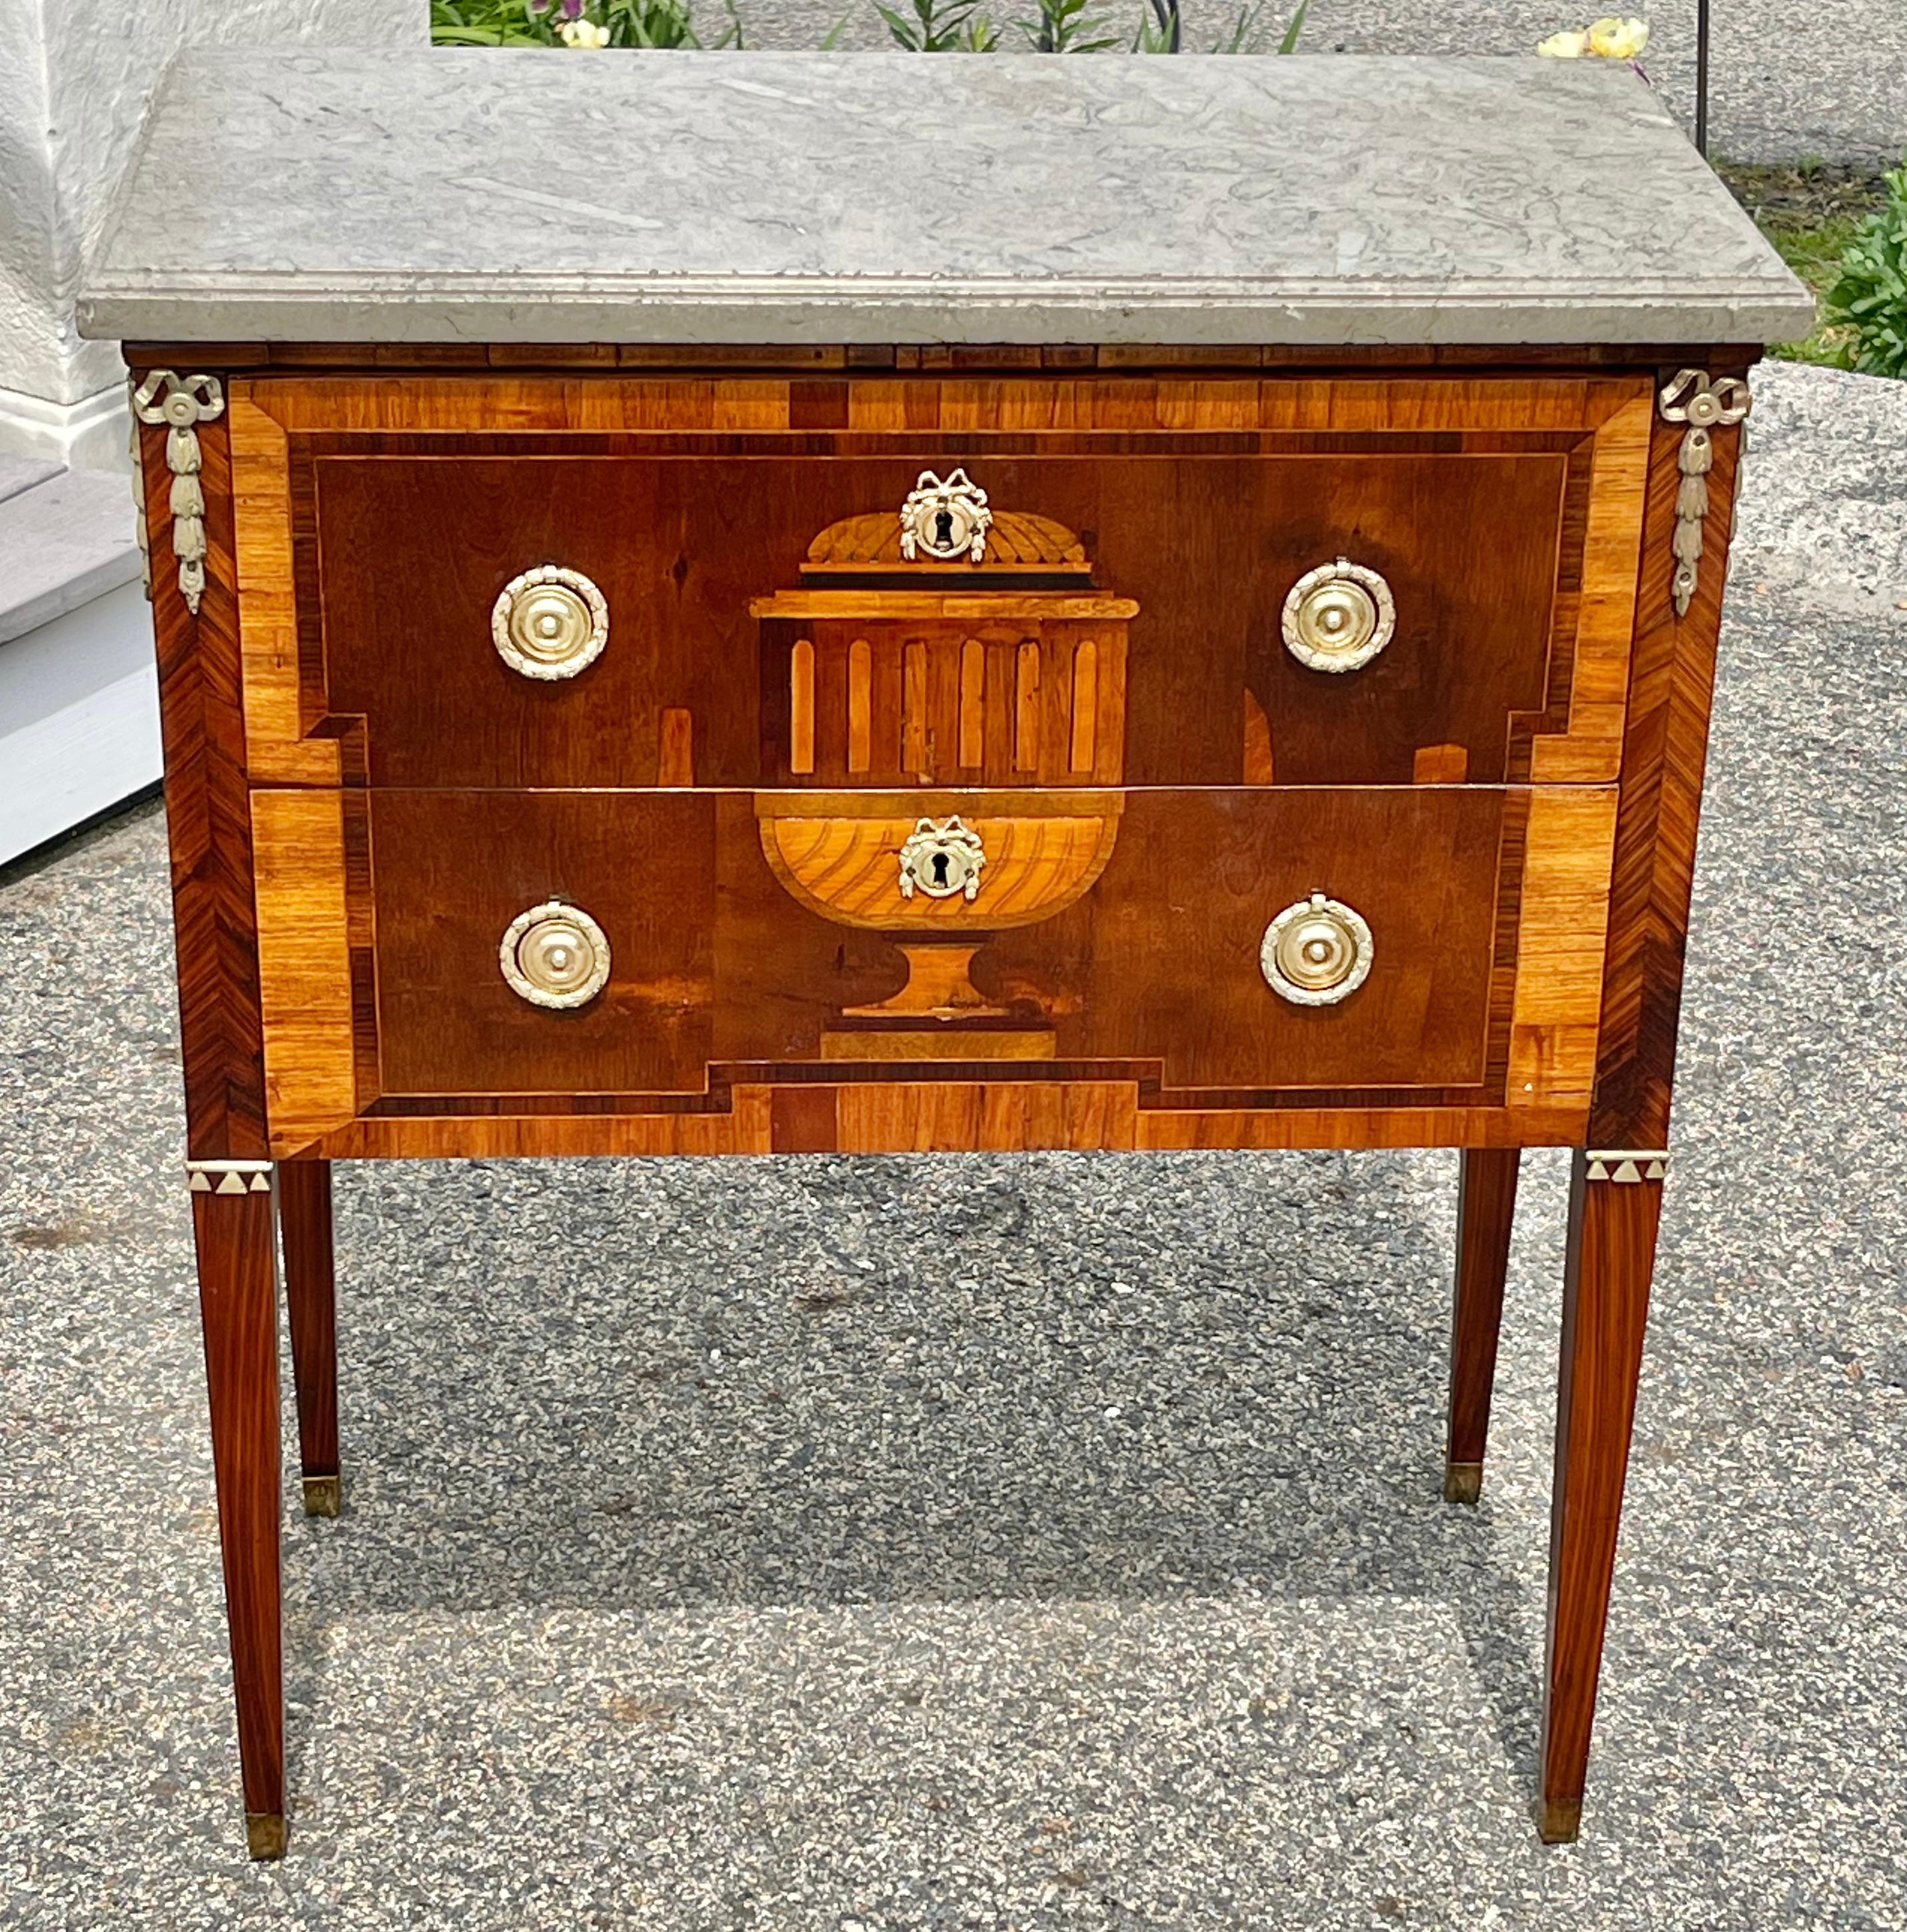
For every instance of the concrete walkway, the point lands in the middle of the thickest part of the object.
(1030, 1542)
(1828, 80)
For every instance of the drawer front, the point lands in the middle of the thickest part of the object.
(1163, 960)
(931, 738)
(453, 871)
(413, 554)
(1112, 936)
(1493, 526)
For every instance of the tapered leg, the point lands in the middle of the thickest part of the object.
(1615, 1207)
(238, 1304)
(1486, 1205)
(305, 1222)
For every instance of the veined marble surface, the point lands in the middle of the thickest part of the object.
(541, 196)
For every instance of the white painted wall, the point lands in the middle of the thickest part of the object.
(74, 78)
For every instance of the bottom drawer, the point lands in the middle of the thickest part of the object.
(641, 954)
(1282, 938)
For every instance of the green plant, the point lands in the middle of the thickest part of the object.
(1811, 210)
(1064, 27)
(1161, 32)
(1251, 30)
(488, 23)
(552, 23)
(1869, 298)
(954, 28)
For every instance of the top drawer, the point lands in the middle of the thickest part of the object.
(1496, 563)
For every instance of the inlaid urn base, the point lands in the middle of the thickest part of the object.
(857, 861)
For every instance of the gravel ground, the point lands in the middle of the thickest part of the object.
(1018, 1542)
(1828, 82)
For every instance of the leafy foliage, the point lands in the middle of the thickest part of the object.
(924, 27)
(1251, 32)
(1065, 27)
(1811, 210)
(1160, 31)
(1869, 298)
(954, 28)
(539, 23)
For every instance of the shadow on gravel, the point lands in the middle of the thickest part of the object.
(632, 1385)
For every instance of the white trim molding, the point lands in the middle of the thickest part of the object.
(89, 434)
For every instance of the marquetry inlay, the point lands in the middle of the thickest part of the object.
(1627, 1165)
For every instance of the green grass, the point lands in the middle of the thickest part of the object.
(1810, 212)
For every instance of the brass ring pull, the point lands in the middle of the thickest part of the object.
(550, 622)
(1316, 952)
(1338, 616)
(555, 956)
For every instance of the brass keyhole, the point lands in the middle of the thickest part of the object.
(943, 529)
(940, 858)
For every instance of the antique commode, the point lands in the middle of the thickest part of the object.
(729, 604)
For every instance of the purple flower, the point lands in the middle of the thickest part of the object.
(571, 9)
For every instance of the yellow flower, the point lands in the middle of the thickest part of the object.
(1615, 39)
(583, 33)
(1564, 46)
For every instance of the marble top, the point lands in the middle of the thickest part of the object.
(440, 195)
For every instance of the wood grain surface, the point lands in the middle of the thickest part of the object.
(302, 888)
(1665, 753)
(1010, 690)
(238, 1304)
(304, 1228)
(207, 815)
(410, 552)
(1235, 486)
(837, 857)
(1486, 1207)
(281, 750)
(513, 444)
(727, 970)
(1611, 1246)
(451, 870)
(1613, 1225)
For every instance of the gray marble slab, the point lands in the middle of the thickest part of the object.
(534, 196)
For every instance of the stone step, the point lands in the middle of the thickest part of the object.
(79, 695)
